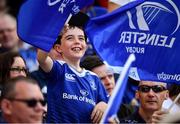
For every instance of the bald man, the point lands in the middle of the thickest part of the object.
(8, 34)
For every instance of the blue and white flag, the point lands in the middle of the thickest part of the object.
(118, 92)
(148, 28)
(40, 21)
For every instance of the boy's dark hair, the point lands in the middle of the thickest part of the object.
(79, 20)
(58, 40)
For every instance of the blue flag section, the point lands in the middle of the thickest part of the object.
(118, 92)
(40, 21)
(148, 28)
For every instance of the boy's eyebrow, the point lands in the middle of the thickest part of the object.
(68, 36)
(64, 37)
(81, 36)
(73, 35)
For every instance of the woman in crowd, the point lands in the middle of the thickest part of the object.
(11, 65)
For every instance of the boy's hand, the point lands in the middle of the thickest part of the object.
(98, 112)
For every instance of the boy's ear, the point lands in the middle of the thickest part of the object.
(57, 47)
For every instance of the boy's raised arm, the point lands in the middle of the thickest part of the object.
(44, 60)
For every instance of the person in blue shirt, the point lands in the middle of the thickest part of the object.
(75, 95)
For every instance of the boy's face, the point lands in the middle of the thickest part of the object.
(73, 44)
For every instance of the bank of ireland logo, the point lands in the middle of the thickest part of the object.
(84, 92)
(150, 13)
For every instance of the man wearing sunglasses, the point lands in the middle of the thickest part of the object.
(22, 101)
(151, 96)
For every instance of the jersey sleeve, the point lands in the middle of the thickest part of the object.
(56, 72)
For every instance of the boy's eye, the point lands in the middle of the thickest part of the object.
(69, 38)
(82, 38)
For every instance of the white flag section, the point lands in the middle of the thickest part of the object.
(117, 95)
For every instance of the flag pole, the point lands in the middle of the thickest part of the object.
(117, 88)
(69, 17)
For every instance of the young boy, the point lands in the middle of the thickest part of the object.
(75, 95)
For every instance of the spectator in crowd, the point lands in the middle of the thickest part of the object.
(22, 101)
(108, 76)
(96, 65)
(151, 96)
(70, 87)
(3, 6)
(8, 36)
(11, 65)
(10, 42)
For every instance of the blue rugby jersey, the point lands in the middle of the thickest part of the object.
(72, 95)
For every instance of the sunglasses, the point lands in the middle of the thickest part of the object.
(30, 102)
(156, 88)
(18, 69)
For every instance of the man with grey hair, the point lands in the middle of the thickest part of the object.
(22, 101)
